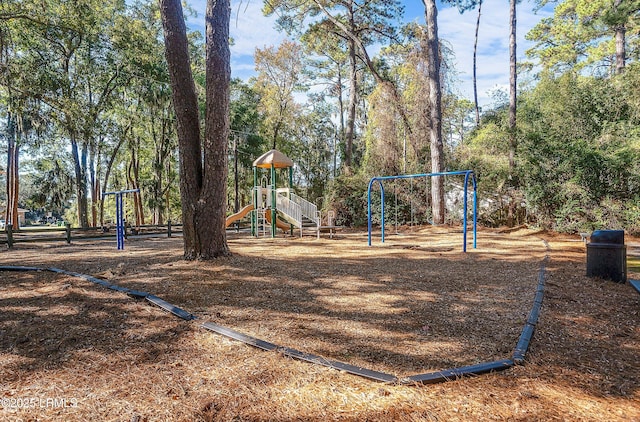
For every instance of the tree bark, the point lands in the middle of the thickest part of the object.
(513, 85)
(80, 171)
(185, 103)
(94, 179)
(621, 55)
(202, 190)
(107, 172)
(621, 51)
(475, 68)
(352, 105)
(435, 116)
(353, 96)
(341, 133)
(162, 151)
(133, 176)
(13, 176)
(339, 141)
(157, 189)
(212, 204)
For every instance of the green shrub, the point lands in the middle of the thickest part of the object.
(347, 196)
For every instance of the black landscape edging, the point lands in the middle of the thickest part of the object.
(296, 354)
(518, 356)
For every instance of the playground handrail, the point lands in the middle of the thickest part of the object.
(289, 208)
(309, 209)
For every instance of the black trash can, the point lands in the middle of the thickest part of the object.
(607, 255)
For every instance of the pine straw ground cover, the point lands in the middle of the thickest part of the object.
(71, 350)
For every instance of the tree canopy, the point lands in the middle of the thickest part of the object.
(89, 103)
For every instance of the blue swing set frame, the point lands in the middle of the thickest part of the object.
(469, 176)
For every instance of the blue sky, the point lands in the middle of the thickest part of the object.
(250, 29)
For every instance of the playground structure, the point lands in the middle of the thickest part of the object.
(274, 207)
(469, 176)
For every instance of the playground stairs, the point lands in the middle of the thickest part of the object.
(292, 209)
(297, 210)
(309, 225)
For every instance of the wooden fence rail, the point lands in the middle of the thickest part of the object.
(11, 236)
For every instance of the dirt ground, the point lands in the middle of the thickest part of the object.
(71, 350)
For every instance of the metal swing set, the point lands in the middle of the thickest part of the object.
(469, 177)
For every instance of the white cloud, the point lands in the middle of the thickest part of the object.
(250, 29)
(493, 43)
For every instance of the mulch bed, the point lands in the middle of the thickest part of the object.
(71, 350)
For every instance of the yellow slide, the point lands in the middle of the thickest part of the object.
(237, 216)
(279, 223)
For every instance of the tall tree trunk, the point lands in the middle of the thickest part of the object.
(133, 176)
(350, 130)
(341, 135)
(203, 200)
(167, 193)
(157, 189)
(435, 106)
(213, 203)
(160, 155)
(13, 176)
(163, 151)
(352, 105)
(621, 51)
(96, 203)
(185, 102)
(340, 131)
(107, 172)
(475, 68)
(513, 141)
(276, 132)
(94, 177)
(621, 54)
(80, 171)
(364, 56)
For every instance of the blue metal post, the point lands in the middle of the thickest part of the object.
(369, 218)
(119, 222)
(464, 213)
(120, 215)
(382, 210)
(369, 209)
(475, 212)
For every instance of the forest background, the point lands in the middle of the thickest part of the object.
(86, 108)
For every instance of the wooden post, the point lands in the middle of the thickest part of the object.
(10, 235)
(169, 228)
(67, 228)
